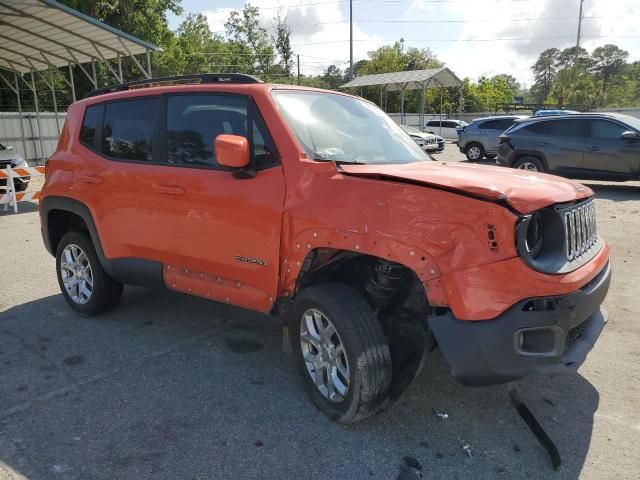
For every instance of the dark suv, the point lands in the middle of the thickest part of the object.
(587, 146)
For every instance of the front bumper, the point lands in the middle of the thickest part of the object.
(542, 335)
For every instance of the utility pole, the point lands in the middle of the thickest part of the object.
(579, 26)
(351, 75)
(298, 58)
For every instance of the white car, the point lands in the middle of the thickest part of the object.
(446, 128)
(426, 141)
(9, 157)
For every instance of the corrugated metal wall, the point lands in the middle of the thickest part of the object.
(37, 144)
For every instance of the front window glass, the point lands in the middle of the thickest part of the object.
(606, 130)
(345, 129)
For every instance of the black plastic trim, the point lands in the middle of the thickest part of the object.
(487, 352)
(129, 270)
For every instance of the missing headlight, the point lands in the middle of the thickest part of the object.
(534, 235)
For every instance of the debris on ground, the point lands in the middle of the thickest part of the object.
(466, 448)
(410, 469)
(535, 427)
(443, 416)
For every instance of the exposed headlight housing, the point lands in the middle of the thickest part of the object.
(558, 239)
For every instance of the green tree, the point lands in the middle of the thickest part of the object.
(609, 63)
(544, 72)
(574, 86)
(249, 39)
(332, 77)
(283, 45)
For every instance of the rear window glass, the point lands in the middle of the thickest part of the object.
(560, 128)
(128, 129)
(92, 118)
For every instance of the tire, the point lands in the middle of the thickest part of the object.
(474, 152)
(531, 164)
(366, 352)
(105, 292)
(490, 156)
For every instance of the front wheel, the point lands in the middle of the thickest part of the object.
(340, 351)
(85, 285)
(531, 164)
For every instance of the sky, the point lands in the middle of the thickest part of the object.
(472, 37)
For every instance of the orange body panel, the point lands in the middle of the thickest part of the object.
(452, 225)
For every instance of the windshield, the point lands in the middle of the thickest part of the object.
(411, 130)
(345, 129)
(633, 122)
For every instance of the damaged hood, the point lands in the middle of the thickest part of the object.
(524, 191)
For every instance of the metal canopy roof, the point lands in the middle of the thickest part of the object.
(38, 34)
(409, 80)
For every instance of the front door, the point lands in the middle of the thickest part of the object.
(607, 152)
(218, 234)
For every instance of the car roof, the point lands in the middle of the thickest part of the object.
(587, 115)
(498, 117)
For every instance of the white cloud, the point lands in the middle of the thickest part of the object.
(319, 32)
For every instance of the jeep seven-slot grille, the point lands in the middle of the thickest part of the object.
(580, 229)
(431, 141)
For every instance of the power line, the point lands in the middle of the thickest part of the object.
(505, 39)
(451, 21)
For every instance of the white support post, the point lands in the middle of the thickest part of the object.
(11, 191)
(135, 60)
(149, 63)
(72, 83)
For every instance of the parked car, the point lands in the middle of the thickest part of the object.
(10, 158)
(324, 213)
(481, 137)
(587, 146)
(429, 142)
(446, 128)
(547, 113)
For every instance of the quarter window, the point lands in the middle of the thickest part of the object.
(606, 130)
(128, 129)
(92, 117)
(194, 122)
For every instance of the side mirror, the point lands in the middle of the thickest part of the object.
(232, 151)
(629, 135)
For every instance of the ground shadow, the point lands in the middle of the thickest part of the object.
(171, 386)
(23, 207)
(619, 192)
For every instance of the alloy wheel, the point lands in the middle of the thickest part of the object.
(76, 274)
(474, 153)
(528, 166)
(324, 355)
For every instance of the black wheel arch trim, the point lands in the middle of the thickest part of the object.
(518, 154)
(128, 270)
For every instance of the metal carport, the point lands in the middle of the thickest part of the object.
(40, 37)
(408, 80)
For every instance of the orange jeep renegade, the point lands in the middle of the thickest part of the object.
(315, 206)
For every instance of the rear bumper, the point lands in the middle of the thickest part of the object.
(549, 335)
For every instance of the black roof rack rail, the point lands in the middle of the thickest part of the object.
(193, 78)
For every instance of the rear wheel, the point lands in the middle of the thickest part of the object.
(530, 164)
(340, 351)
(85, 285)
(474, 152)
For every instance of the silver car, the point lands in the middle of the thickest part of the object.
(10, 158)
(426, 141)
(481, 137)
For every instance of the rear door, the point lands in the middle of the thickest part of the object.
(561, 142)
(607, 152)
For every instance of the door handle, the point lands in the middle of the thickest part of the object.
(168, 190)
(91, 179)
(594, 148)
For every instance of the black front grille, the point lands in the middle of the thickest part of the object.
(579, 228)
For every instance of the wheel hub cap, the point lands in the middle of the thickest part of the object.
(528, 166)
(76, 274)
(324, 355)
